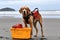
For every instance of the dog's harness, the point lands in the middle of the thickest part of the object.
(36, 15)
(27, 17)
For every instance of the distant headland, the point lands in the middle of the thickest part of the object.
(7, 9)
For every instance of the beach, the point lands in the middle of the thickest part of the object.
(51, 27)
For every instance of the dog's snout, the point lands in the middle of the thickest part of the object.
(24, 12)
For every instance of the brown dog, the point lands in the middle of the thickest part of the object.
(28, 18)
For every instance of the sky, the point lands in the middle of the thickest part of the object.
(41, 4)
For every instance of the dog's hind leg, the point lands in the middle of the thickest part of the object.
(35, 23)
(40, 21)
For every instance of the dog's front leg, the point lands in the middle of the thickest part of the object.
(31, 29)
(31, 24)
(25, 24)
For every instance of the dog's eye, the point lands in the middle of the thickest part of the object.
(22, 9)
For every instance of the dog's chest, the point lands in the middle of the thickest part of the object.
(26, 18)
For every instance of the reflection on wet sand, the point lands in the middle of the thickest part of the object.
(19, 39)
(31, 39)
(7, 38)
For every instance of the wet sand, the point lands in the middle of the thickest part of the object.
(51, 28)
(48, 38)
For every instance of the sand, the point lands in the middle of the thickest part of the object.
(51, 28)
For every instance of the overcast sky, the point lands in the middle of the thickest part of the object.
(41, 4)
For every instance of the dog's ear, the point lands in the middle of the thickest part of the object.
(28, 10)
(20, 10)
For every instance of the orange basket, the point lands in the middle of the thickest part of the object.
(21, 33)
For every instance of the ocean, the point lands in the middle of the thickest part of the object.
(51, 25)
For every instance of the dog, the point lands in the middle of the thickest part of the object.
(29, 18)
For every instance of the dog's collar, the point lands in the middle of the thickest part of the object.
(27, 16)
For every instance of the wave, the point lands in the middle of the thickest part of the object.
(45, 14)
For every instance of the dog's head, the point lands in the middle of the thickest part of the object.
(24, 10)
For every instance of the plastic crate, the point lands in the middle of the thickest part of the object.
(21, 33)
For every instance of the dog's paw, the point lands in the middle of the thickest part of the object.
(43, 36)
(35, 35)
